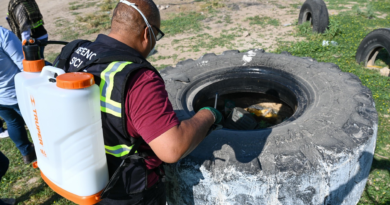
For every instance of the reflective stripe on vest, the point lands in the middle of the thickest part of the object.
(37, 24)
(118, 150)
(108, 105)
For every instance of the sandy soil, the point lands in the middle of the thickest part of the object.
(252, 36)
(238, 10)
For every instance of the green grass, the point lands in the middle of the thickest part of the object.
(336, 7)
(85, 24)
(348, 30)
(343, 4)
(381, 5)
(262, 21)
(227, 39)
(80, 5)
(295, 6)
(24, 183)
(108, 5)
(228, 19)
(377, 5)
(51, 57)
(367, 13)
(156, 58)
(212, 5)
(182, 23)
(159, 67)
(67, 30)
(206, 41)
(279, 6)
(95, 22)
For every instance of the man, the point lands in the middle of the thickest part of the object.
(135, 105)
(11, 56)
(25, 20)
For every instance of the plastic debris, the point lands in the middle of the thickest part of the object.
(326, 43)
(229, 106)
(240, 119)
(260, 111)
(385, 71)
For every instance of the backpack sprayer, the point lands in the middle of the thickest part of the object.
(62, 112)
(33, 60)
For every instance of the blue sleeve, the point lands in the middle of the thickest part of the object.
(13, 47)
(26, 35)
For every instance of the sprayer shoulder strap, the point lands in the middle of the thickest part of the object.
(117, 174)
(67, 51)
(111, 56)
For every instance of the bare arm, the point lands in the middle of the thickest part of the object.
(22, 19)
(156, 121)
(182, 139)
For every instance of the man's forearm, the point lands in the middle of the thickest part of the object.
(197, 127)
(182, 139)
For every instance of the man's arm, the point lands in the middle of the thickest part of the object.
(150, 115)
(182, 139)
(22, 18)
(13, 48)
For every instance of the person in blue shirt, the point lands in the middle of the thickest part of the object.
(11, 56)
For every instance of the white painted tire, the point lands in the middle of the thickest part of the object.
(321, 155)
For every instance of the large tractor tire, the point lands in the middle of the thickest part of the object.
(322, 154)
(371, 45)
(315, 12)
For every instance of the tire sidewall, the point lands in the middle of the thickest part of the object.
(313, 152)
(319, 13)
(375, 39)
(345, 84)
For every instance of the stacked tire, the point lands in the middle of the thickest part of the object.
(321, 155)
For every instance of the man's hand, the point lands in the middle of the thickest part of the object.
(182, 139)
(218, 117)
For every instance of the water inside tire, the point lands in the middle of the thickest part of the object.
(275, 110)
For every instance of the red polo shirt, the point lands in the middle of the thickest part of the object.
(148, 112)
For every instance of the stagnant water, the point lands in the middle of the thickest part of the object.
(276, 110)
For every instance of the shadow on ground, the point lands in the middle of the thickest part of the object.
(26, 196)
(382, 164)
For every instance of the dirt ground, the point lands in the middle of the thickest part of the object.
(174, 48)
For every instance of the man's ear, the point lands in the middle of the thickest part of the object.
(145, 37)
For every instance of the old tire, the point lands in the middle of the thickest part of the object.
(371, 45)
(316, 12)
(321, 155)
